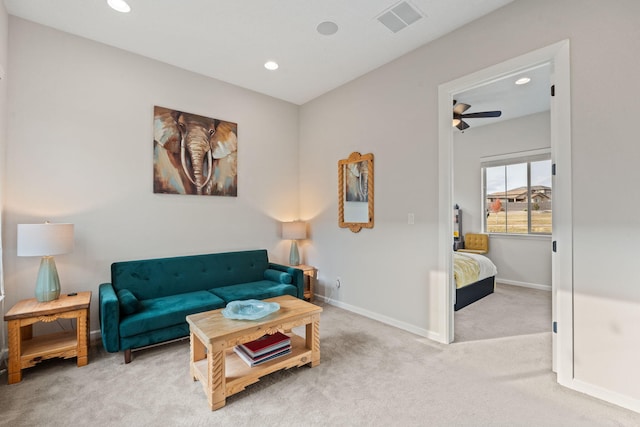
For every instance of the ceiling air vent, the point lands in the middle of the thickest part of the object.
(399, 16)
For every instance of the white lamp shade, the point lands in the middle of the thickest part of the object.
(44, 239)
(294, 230)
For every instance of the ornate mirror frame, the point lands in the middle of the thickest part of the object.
(355, 192)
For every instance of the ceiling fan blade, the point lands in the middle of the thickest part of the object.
(462, 125)
(461, 108)
(482, 114)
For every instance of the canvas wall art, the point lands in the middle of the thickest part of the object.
(194, 154)
(357, 182)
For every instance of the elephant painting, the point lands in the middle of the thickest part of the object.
(194, 154)
(357, 182)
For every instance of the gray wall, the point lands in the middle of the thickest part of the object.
(390, 272)
(81, 151)
(4, 55)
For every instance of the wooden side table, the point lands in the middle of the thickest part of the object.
(26, 350)
(310, 277)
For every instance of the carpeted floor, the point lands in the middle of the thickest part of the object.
(509, 311)
(371, 374)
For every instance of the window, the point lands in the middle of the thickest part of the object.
(517, 194)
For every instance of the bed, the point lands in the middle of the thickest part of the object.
(475, 277)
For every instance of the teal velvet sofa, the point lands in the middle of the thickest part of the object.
(147, 301)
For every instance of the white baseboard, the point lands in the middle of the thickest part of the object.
(524, 284)
(381, 318)
(603, 394)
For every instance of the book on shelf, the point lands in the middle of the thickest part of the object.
(266, 344)
(254, 361)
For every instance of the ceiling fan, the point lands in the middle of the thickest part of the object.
(458, 109)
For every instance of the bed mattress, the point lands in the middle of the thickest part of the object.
(469, 268)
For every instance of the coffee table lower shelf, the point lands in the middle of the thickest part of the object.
(213, 337)
(239, 375)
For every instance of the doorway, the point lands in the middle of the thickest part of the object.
(560, 123)
(503, 157)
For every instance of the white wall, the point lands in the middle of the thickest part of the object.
(520, 260)
(392, 112)
(80, 150)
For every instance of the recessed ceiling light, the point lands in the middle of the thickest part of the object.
(523, 81)
(119, 5)
(271, 65)
(327, 28)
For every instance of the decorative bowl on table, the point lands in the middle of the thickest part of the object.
(250, 309)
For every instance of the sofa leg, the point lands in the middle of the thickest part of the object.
(127, 356)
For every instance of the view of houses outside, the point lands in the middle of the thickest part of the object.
(515, 205)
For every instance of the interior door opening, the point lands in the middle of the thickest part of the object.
(558, 57)
(489, 161)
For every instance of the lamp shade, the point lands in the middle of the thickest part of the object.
(294, 230)
(44, 239)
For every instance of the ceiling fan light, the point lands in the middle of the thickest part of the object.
(456, 122)
(119, 5)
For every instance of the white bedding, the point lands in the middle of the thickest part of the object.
(487, 268)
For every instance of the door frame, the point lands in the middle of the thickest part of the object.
(558, 55)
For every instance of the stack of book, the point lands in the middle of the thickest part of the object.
(264, 349)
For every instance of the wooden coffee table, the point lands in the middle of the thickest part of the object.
(213, 337)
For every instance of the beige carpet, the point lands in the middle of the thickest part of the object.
(371, 374)
(509, 311)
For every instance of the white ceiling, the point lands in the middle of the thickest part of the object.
(513, 100)
(230, 40)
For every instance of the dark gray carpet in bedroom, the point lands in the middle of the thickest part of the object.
(509, 311)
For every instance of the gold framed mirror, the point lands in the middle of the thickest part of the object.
(355, 192)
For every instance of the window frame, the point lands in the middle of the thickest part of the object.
(525, 157)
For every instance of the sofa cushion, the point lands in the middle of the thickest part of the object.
(161, 277)
(129, 304)
(163, 312)
(254, 290)
(277, 276)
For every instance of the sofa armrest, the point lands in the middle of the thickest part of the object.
(296, 274)
(109, 317)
